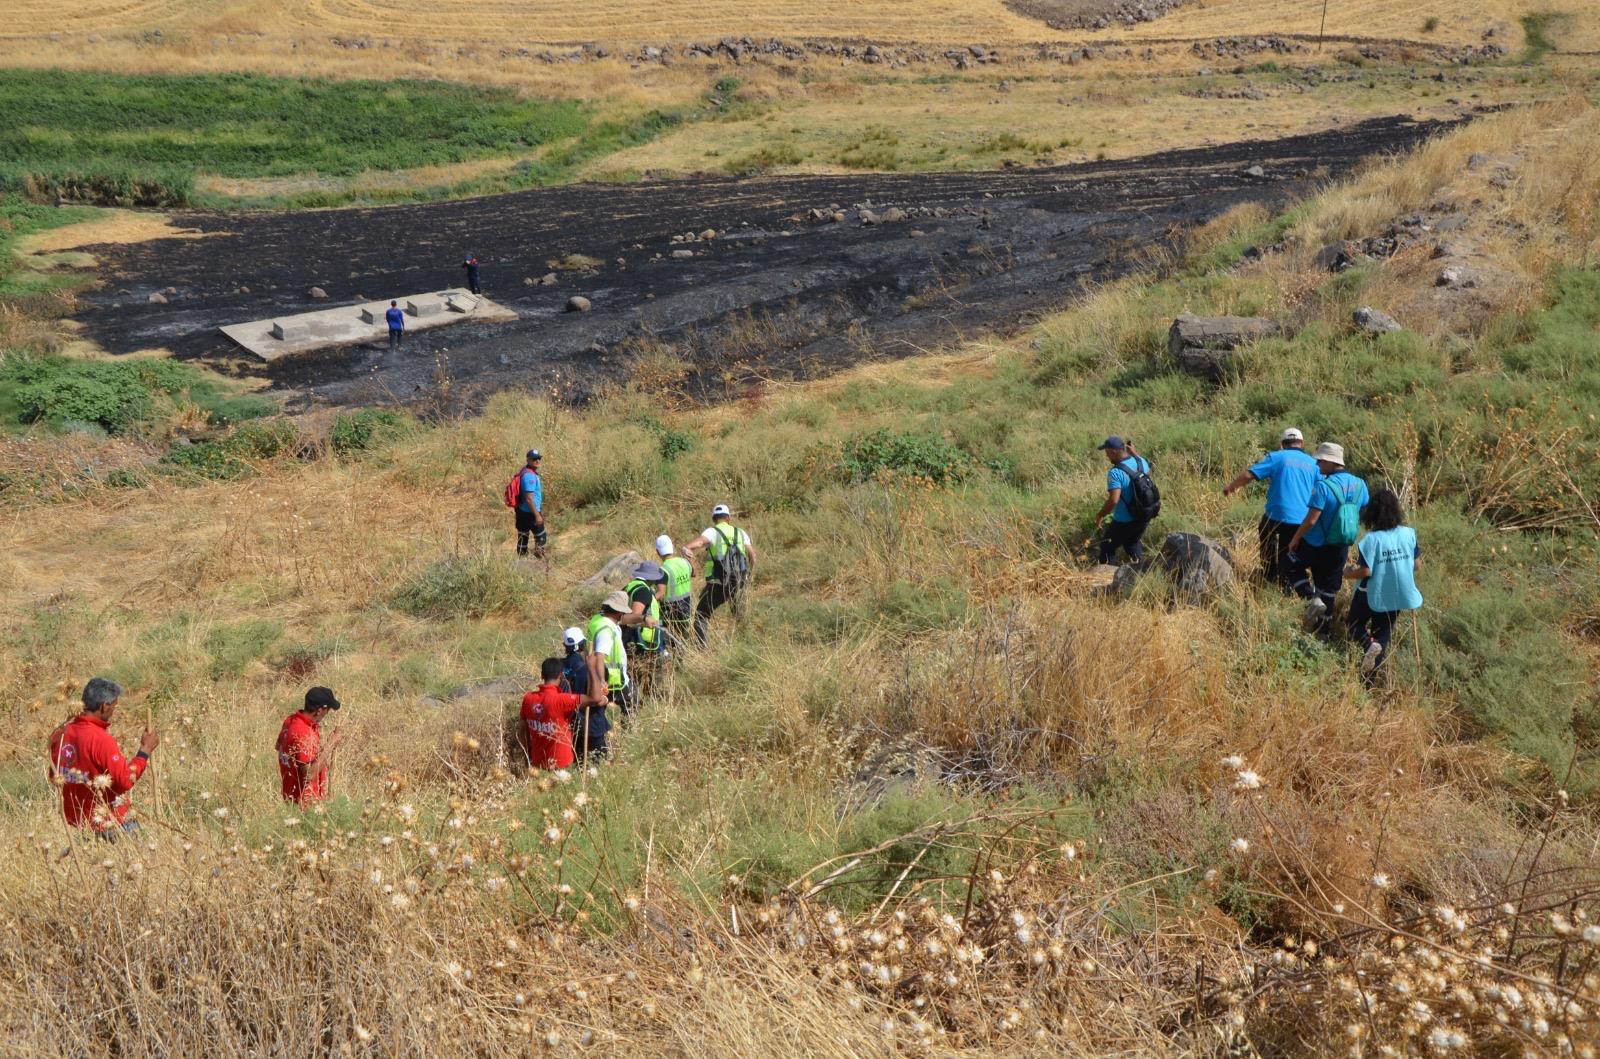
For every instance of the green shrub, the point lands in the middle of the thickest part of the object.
(464, 587)
(911, 455)
(361, 430)
(234, 455)
(115, 395)
(232, 647)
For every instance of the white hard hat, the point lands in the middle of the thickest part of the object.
(663, 545)
(573, 637)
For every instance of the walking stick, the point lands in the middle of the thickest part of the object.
(155, 793)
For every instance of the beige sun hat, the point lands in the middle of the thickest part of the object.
(617, 601)
(1330, 452)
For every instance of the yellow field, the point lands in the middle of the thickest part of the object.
(626, 21)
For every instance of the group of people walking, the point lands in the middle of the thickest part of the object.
(1315, 511)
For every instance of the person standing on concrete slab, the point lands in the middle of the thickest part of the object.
(1291, 474)
(397, 325)
(470, 263)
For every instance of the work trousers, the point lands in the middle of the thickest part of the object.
(1274, 537)
(395, 334)
(676, 615)
(714, 595)
(529, 523)
(1127, 536)
(1318, 575)
(1367, 627)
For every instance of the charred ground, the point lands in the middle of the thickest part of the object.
(782, 289)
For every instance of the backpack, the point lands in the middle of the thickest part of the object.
(733, 569)
(1345, 526)
(1142, 496)
(514, 490)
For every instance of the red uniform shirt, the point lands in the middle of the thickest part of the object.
(95, 778)
(299, 743)
(546, 712)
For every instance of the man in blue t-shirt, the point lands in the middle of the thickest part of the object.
(397, 325)
(1125, 532)
(1290, 475)
(1318, 549)
(530, 508)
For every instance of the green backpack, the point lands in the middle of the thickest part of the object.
(1345, 525)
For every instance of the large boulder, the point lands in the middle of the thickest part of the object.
(1375, 321)
(614, 573)
(1198, 566)
(1204, 346)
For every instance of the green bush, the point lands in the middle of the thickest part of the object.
(234, 646)
(234, 455)
(361, 430)
(115, 395)
(464, 587)
(912, 455)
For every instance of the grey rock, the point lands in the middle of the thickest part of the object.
(316, 293)
(1453, 276)
(1204, 346)
(614, 573)
(494, 687)
(1375, 321)
(681, 254)
(1255, 172)
(547, 280)
(579, 304)
(1198, 566)
(708, 234)
(157, 299)
(529, 281)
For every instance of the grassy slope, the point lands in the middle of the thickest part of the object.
(915, 654)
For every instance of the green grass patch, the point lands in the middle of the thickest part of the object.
(1536, 34)
(113, 395)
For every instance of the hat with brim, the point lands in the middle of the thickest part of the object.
(1330, 452)
(648, 571)
(617, 601)
(319, 698)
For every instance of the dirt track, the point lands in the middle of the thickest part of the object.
(979, 251)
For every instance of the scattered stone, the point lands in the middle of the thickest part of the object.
(1375, 321)
(316, 293)
(529, 281)
(1452, 276)
(578, 304)
(708, 235)
(681, 254)
(547, 280)
(1197, 565)
(157, 298)
(1255, 172)
(1204, 346)
(616, 572)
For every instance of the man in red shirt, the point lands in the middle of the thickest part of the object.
(303, 757)
(88, 765)
(546, 717)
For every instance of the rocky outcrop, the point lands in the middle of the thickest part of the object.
(1204, 346)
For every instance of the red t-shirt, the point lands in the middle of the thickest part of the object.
(546, 712)
(95, 777)
(300, 742)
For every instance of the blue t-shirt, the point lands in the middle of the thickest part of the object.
(1332, 492)
(396, 318)
(1391, 556)
(1290, 475)
(1119, 478)
(532, 490)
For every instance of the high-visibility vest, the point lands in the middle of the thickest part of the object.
(649, 638)
(679, 573)
(616, 660)
(726, 535)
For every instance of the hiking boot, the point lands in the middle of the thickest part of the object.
(1369, 661)
(1316, 612)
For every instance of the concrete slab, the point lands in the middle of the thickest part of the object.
(349, 325)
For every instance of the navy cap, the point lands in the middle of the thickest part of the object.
(533, 454)
(317, 698)
(1113, 442)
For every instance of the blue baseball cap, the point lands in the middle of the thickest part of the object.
(533, 454)
(1113, 442)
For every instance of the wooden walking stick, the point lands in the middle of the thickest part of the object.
(155, 792)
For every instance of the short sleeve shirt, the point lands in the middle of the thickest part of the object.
(1291, 475)
(299, 743)
(547, 713)
(644, 594)
(1331, 492)
(396, 318)
(532, 492)
(1391, 555)
(1119, 478)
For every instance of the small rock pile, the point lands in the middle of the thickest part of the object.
(1240, 47)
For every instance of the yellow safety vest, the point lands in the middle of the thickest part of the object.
(616, 660)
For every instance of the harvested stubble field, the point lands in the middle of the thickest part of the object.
(937, 796)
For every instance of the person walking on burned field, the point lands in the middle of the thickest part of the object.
(1132, 500)
(1290, 474)
(591, 726)
(733, 564)
(547, 713)
(470, 263)
(87, 764)
(677, 601)
(396, 318)
(305, 757)
(1321, 543)
(1385, 569)
(525, 498)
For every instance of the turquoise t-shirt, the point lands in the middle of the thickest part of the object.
(1339, 488)
(1390, 555)
(1291, 475)
(1119, 478)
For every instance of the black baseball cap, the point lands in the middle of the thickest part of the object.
(317, 698)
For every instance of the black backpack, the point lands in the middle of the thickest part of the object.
(1142, 496)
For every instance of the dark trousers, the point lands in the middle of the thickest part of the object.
(529, 523)
(589, 733)
(1125, 535)
(1367, 627)
(1318, 574)
(1274, 537)
(472, 281)
(676, 615)
(395, 334)
(714, 595)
